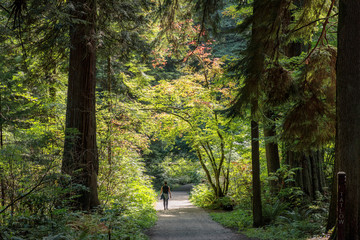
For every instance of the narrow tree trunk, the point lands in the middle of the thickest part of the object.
(331, 222)
(348, 111)
(307, 184)
(255, 70)
(255, 158)
(109, 146)
(208, 175)
(272, 152)
(80, 151)
(2, 181)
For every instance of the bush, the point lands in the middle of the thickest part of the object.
(239, 219)
(224, 203)
(181, 171)
(272, 211)
(202, 196)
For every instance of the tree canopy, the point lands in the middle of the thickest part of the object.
(101, 101)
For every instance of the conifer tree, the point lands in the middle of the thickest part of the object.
(348, 111)
(80, 151)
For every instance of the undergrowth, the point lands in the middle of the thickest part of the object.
(282, 220)
(123, 216)
(290, 225)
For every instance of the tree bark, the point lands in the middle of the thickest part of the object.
(255, 71)
(2, 181)
(348, 111)
(310, 178)
(331, 222)
(272, 153)
(255, 157)
(80, 158)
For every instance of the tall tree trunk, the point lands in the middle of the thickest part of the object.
(109, 145)
(80, 151)
(348, 111)
(255, 158)
(272, 151)
(255, 71)
(2, 181)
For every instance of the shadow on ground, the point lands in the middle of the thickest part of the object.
(185, 221)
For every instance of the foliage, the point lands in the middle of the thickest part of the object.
(271, 211)
(241, 185)
(293, 231)
(202, 196)
(159, 112)
(288, 191)
(238, 219)
(285, 224)
(181, 171)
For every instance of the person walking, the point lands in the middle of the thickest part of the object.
(165, 194)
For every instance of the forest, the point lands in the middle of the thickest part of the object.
(253, 102)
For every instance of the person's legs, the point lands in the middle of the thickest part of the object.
(166, 197)
(167, 203)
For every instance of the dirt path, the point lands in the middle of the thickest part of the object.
(185, 221)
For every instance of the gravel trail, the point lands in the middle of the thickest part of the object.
(185, 221)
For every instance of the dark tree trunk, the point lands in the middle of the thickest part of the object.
(109, 145)
(348, 111)
(310, 178)
(255, 157)
(255, 71)
(331, 222)
(80, 159)
(2, 181)
(272, 152)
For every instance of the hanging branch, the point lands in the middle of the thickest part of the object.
(323, 32)
(312, 22)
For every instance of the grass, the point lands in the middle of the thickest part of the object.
(237, 219)
(284, 228)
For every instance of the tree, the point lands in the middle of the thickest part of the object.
(80, 151)
(348, 111)
(189, 107)
(249, 94)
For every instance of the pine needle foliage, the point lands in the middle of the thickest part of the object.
(307, 16)
(267, 28)
(277, 85)
(310, 123)
(204, 11)
(122, 25)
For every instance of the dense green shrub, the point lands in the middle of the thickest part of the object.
(181, 171)
(271, 211)
(238, 219)
(202, 196)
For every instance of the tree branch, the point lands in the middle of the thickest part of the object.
(212, 160)
(1, 6)
(312, 22)
(26, 194)
(323, 32)
(205, 169)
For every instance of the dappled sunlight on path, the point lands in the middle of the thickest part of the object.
(185, 221)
